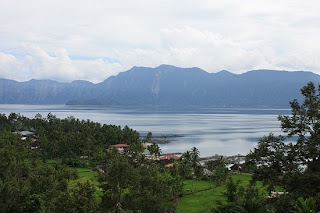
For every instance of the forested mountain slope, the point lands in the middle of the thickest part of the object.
(166, 85)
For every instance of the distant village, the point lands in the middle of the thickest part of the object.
(233, 163)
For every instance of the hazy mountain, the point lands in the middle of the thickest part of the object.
(43, 91)
(166, 85)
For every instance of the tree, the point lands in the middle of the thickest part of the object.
(184, 165)
(213, 164)
(153, 190)
(186, 156)
(232, 189)
(195, 165)
(294, 166)
(272, 157)
(305, 123)
(195, 157)
(136, 149)
(28, 184)
(148, 138)
(130, 136)
(84, 198)
(34, 203)
(112, 136)
(220, 173)
(62, 201)
(118, 180)
(154, 149)
(242, 199)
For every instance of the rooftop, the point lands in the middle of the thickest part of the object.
(169, 157)
(120, 145)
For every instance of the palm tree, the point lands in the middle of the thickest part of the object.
(195, 157)
(154, 149)
(186, 156)
(306, 206)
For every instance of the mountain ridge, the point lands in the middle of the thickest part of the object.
(166, 85)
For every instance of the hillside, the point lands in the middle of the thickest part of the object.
(166, 85)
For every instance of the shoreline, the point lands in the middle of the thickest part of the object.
(165, 139)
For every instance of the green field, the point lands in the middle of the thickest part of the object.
(205, 194)
(199, 195)
(84, 176)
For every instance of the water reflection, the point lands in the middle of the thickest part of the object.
(226, 131)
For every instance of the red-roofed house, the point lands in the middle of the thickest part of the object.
(122, 147)
(169, 165)
(169, 157)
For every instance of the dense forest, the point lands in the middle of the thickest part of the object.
(40, 159)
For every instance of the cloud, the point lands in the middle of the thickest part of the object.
(8, 65)
(189, 47)
(213, 35)
(36, 63)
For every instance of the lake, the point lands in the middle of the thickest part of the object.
(223, 131)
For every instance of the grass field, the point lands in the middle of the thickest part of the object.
(84, 176)
(199, 196)
(207, 196)
(191, 186)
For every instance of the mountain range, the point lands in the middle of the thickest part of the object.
(166, 85)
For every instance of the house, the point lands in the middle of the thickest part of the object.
(207, 172)
(169, 157)
(169, 165)
(24, 134)
(35, 143)
(276, 194)
(149, 156)
(236, 166)
(122, 147)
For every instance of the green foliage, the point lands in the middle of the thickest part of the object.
(294, 166)
(195, 157)
(200, 200)
(232, 188)
(144, 188)
(220, 172)
(201, 195)
(154, 149)
(34, 203)
(242, 199)
(189, 164)
(281, 204)
(79, 143)
(151, 191)
(213, 164)
(42, 180)
(27, 183)
(130, 136)
(273, 159)
(135, 150)
(307, 205)
(84, 198)
(148, 138)
(119, 177)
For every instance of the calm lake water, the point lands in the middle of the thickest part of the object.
(226, 131)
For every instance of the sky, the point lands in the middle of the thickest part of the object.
(68, 40)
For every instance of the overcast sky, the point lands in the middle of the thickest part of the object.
(91, 40)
